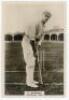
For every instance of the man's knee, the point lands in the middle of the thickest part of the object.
(31, 62)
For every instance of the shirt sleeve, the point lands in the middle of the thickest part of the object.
(39, 31)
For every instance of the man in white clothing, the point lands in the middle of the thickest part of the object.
(33, 34)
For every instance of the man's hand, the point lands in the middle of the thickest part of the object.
(39, 43)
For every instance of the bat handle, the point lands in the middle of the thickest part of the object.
(40, 68)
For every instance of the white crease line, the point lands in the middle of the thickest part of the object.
(36, 71)
(47, 41)
(44, 83)
(16, 83)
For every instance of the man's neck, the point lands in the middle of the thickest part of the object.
(43, 23)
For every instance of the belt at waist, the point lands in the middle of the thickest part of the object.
(32, 41)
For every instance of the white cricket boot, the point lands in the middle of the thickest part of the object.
(35, 82)
(32, 84)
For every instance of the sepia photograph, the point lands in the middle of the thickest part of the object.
(34, 47)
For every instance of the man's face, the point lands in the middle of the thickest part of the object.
(45, 18)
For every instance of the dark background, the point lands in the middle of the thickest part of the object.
(51, 63)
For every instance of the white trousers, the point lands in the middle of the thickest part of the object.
(29, 59)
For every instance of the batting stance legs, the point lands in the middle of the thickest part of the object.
(30, 62)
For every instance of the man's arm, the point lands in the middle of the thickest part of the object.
(39, 34)
(41, 39)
